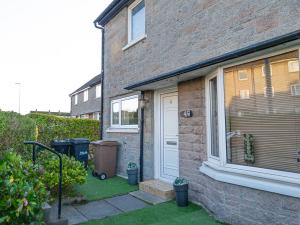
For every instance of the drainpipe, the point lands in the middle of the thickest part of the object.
(142, 139)
(102, 77)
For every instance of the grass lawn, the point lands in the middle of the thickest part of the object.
(95, 189)
(162, 214)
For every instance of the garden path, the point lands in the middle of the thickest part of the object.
(99, 209)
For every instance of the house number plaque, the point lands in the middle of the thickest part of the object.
(186, 113)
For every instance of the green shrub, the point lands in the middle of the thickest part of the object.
(73, 172)
(53, 127)
(22, 193)
(14, 130)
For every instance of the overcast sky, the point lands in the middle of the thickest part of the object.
(51, 47)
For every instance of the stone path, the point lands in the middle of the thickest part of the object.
(99, 209)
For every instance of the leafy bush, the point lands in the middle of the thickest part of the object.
(14, 130)
(73, 172)
(22, 193)
(53, 127)
(131, 166)
(180, 181)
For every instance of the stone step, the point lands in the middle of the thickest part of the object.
(147, 197)
(158, 188)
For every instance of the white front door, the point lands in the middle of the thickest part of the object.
(169, 161)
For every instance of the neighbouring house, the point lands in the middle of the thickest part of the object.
(86, 100)
(209, 91)
(59, 113)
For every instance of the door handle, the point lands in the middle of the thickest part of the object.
(171, 142)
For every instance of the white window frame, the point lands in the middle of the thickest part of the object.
(86, 95)
(76, 99)
(286, 183)
(240, 76)
(290, 67)
(98, 91)
(130, 40)
(119, 101)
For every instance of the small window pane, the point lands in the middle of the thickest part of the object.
(76, 99)
(115, 113)
(85, 95)
(138, 21)
(129, 112)
(98, 91)
(214, 118)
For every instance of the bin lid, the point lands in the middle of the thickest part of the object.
(105, 143)
(79, 141)
(60, 142)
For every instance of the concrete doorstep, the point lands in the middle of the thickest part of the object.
(101, 209)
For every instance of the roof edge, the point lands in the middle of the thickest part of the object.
(111, 10)
(222, 58)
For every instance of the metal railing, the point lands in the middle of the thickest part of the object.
(35, 145)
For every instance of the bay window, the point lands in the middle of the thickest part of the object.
(253, 124)
(124, 112)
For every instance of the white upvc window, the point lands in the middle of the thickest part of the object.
(86, 95)
(258, 148)
(76, 99)
(136, 21)
(124, 112)
(98, 91)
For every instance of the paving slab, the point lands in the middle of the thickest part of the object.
(126, 203)
(70, 213)
(147, 197)
(97, 210)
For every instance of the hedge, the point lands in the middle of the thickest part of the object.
(14, 130)
(53, 127)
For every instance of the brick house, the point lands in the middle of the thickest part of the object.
(86, 100)
(210, 91)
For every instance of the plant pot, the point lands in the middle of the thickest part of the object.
(181, 192)
(132, 176)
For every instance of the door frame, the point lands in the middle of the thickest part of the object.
(157, 130)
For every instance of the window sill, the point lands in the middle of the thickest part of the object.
(278, 182)
(122, 130)
(132, 43)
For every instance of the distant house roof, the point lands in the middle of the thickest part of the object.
(112, 9)
(96, 80)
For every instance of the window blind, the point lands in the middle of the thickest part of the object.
(263, 130)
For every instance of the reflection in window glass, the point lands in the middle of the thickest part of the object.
(129, 113)
(264, 130)
(115, 113)
(138, 21)
(214, 117)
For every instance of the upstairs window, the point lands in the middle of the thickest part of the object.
(136, 21)
(98, 91)
(76, 99)
(124, 112)
(86, 95)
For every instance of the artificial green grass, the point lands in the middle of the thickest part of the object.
(96, 189)
(162, 214)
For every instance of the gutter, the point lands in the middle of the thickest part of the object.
(142, 140)
(102, 78)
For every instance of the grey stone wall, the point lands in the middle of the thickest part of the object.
(92, 105)
(234, 204)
